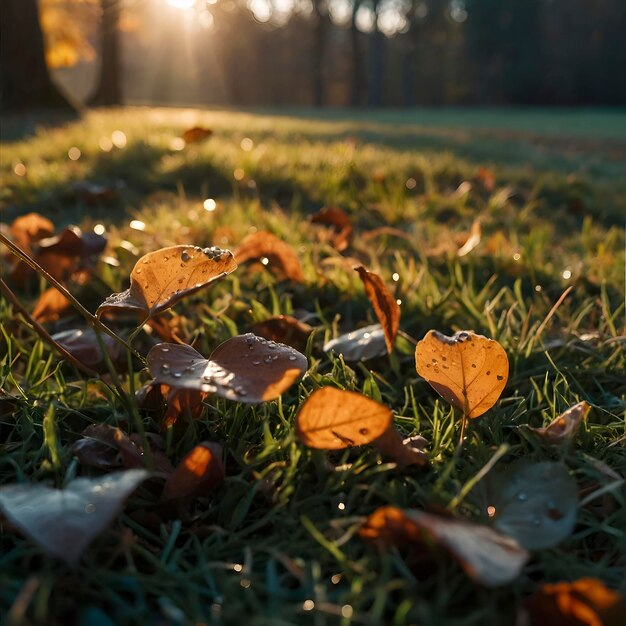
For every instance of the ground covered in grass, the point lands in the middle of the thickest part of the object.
(278, 542)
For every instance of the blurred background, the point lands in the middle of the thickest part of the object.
(366, 53)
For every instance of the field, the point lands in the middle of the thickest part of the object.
(278, 542)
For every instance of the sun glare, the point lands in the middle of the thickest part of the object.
(182, 4)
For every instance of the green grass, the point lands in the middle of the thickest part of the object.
(273, 536)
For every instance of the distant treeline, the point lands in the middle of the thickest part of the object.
(451, 52)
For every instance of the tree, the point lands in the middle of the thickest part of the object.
(108, 91)
(25, 82)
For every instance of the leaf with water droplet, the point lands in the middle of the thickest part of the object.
(359, 345)
(245, 368)
(385, 305)
(487, 556)
(197, 474)
(333, 419)
(162, 278)
(468, 370)
(65, 521)
(535, 503)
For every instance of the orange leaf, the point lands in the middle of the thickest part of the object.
(340, 223)
(584, 602)
(30, 228)
(486, 556)
(332, 419)
(246, 368)
(284, 328)
(51, 306)
(468, 370)
(564, 427)
(197, 133)
(198, 473)
(162, 278)
(280, 255)
(385, 305)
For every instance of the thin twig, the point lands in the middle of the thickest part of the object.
(43, 333)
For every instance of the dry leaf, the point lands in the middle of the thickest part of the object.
(106, 447)
(70, 246)
(162, 278)
(340, 223)
(472, 240)
(197, 133)
(65, 521)
(198, 473)
(385, 305)
(468, 370)
(51, 306)
(535, 503)
(182, 402)
(487, 556)
(332, 419)
(246, 368)
(285, 329)
(404, 452)
(83, 344)
(30, 228)
(564, 427)
(359, 345)
(584, 602)
(280, 255)
(487, 178)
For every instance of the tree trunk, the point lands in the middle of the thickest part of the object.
(356, 77)
(377, 62)
(109, 92)
(319, 52)
(25, 83)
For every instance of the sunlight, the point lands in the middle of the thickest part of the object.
(181, 4)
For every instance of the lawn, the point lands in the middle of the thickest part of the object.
(277, 543)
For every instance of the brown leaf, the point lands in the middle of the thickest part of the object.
(385, 305)
(183, 402)
(245, 368)
(197, 133)
(404, 452)
(30, 228)
(468, 370)
(564, 427)
(162, 278)
(359, 345)
(487, 178)
(285, 329)
(280, 255)
(198, 473)
(340, 223)
(333, 419)
(65, 521)
(51, 306)
(584, 602)
(106, 447)
(83, 344)
(487, 556)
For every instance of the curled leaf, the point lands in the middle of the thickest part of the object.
(339, 222)
(30, 228)
(468, 370)
(51, 306)
(536, 503)
(404, 452)
(83, 344)
(106, 447)
(584, 602)
(245, 368)
(359, 345)
(162, 278)
(198, 473)
(285, 329)
(65, 521)
(472, 240)
(196, 134)
(332, 419)
(487, 556)
(385, 305)
(563, 428)
(279, 255)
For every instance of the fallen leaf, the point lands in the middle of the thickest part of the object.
(182, 402)
(584, 602)
(106, 447)
(472, 240)
(487, 178)
(51, 306)
(385, 305)
(340, 224)
(564, 427)
(485, 555)
(279, 255)
(333, 419)
(30, 228)
(92, 193)
(83, 344)
(198, 473)
(63, 522)
(359, 345)
(285, 329)
(70, 250)
(404, 452)
(245, 368)
(197, 133)
(468, 370)
(534, 503)
(162, 278)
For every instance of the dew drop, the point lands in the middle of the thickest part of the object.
(165, 349)
(90, 508)
(177, 374)
(293, 357)
(267, 359)
(521, 496)
(256, 362)
(536, 521)
(185, 256)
